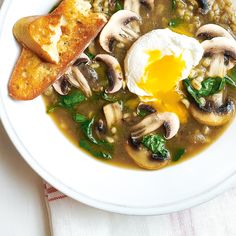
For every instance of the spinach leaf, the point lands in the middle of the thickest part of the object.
(68, 101)
(119, 6)
(173, 5)
(210, 86)
(72, 99)
(99, 154)
(230, 80)
(232, 74)
(109, 98)
(156, 144)
(79, 118)
(87, 128)
(142, 113)
(173, 23)
(89, 54)
(105, 97)
(180, 152)
(192, 91)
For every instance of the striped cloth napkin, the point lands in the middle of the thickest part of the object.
(71, 218)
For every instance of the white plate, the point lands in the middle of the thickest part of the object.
(83, 178)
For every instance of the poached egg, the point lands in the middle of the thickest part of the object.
(155, 65)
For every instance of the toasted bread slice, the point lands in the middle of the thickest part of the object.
(40, 34)
(32, 75)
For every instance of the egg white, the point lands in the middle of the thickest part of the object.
(168, 43)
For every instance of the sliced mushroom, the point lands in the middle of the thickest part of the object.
(205, 5)
(114, 72)
(83, 58)
(62, 85)
(77, 79)
(146, 107)
(117, 29)
(210, 31)
(213, 117)
(143, 158)
(135, 5)
(153, 122)
(113, 114)
(222, 51)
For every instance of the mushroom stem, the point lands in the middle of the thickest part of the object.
(217, 66)
(78, 80)
(113, 114)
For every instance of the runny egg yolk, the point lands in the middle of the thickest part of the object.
(161, 80)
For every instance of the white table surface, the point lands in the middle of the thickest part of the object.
(23, 212)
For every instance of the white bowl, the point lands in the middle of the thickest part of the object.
(92, 182)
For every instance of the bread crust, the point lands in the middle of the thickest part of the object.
(32, 75)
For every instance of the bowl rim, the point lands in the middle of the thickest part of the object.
(202, 197)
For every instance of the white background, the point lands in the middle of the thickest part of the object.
(22, 209)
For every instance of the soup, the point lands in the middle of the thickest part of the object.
(156, 87)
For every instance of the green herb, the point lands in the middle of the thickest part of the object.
(210, 86)
(230, 80)
(173, 23)
(99, 154)
(156, 144)
(180, 152)
(87, 128)
(68, 101)
(142, 113)
(173, 5)
(232, 74)
(89, 54)
(193, 92)
(108, 98)
(119, 6)
(51, 108)
(55, 6)
(79, 118)
(72, 99)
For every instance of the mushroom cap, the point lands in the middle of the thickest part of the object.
(154, 121)
(115, 74)
(210, 31)
(62, 85)
(116, 29)
(142, 158)
(217, 117)
(220, 45)
(83, 58)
